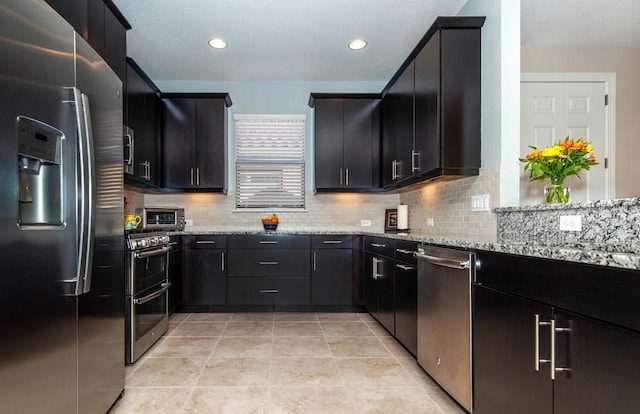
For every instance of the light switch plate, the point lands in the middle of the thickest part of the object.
(430, 222)
(365, 223)
(188, 222)
(571, 223)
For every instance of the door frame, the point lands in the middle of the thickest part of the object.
(609, 81)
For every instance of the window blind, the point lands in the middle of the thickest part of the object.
(270, 161)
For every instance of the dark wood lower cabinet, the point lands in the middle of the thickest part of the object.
(406, 305)
(505, 380)
(596, 362)
(204, 280)
(379, 289)
(331, 277)
(279, 291)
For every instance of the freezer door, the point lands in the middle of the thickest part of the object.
(101, 306)
(37, 317)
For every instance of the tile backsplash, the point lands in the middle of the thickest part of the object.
(447, 202)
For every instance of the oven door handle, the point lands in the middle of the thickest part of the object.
(149, 253)
(165, 287)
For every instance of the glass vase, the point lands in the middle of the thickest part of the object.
(556, 194)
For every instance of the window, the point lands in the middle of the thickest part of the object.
(270, 161)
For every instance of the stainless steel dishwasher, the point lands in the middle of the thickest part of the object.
(444, 319)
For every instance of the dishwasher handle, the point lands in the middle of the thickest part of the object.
(441, 261)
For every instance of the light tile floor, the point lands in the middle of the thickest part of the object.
(279, 363)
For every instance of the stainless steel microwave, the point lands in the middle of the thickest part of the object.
(166, 218)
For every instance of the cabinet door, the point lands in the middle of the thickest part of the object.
(210, 148)
(385, 281)
(329, 143)
(115, 43)
(204, 277)
(331, 277)
(604, 362)
(369, 285)
(397, 125)
(175, 277)
(505, 379)
(74, 12)
(95, 25)
(406, 305)
(179, 145)
(427, 108)
(358, 143)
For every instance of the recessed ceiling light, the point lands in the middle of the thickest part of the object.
(217, 43)
(357, 44)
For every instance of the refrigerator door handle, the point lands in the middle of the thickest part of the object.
(90, 194)
(81, 204)
(86, 189)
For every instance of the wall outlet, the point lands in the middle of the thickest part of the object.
(430, 222)
(480, 202)
(365, 223)
(571, 223)
(188, 222)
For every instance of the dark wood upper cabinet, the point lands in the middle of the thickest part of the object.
(143, 112)
(195, 134)
(431, 107)
(101, 24)
(347, 146)
(397, 129)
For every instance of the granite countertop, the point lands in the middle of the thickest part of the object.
(622, 255)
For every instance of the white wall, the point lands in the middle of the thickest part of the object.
(500, 112)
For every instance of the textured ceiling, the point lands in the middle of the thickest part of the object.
(306, 40)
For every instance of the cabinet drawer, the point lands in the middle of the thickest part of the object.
(269, 291)
(205, 241)
(404, 251)
(379, 245)
(269, 241)
(331, 242)
(264, 263)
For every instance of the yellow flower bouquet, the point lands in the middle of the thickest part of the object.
(566, 158)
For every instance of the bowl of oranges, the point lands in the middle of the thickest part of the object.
(270, 223)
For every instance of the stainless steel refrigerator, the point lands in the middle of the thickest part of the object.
(61, 209)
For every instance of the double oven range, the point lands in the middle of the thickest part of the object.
(147, 288)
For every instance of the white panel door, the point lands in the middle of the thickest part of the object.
(551, 111)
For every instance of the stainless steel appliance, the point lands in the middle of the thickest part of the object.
(444, 319)
(147, 291)
(62, 280)
(165, 218)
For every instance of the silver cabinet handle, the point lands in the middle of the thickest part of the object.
(537, 360)
(268, 290)
(394, 168)
(172, 243)
(332, 242)
(197, 176)
(403, 251)
(205, 242)
(314, 261)
(374, 273)
(555, 369)
(415, 166)
(222, 259)
(378, 245)
(340, 176)
(439, 261)
(268, 263)
(268, 242)
(191, 179)
(346, 177)
(405, 267)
